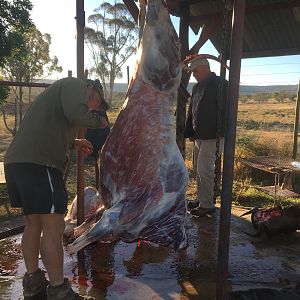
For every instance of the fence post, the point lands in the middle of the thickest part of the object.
(296, 125)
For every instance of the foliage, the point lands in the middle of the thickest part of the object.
(4, 92)
(32, 58)
(29, 61)
(14, 21)
(112, 39)
(282, 95)
(262, 97)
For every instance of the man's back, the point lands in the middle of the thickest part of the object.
(48, 128)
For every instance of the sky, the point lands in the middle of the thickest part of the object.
(57, 17)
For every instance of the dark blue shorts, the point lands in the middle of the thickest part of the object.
(36, 189)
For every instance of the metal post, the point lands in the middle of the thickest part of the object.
(296, 125)
(181, 101)
(80, 22)
(128, 76)
(70, 153)
(230, 136)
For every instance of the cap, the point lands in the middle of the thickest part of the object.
(99, 88)
(197, 62)
(96, 85)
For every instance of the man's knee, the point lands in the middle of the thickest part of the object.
(33, 223)
(53, 225)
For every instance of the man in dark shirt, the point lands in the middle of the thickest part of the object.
(34, 166)
(201, 127)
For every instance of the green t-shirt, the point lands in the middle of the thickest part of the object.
(50, 125)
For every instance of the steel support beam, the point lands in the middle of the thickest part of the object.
(250, 10)
(206, 33)
(181, 99)
(296, 125)
(275, 52)
(229, 149)
(133, 9)
(80, 24)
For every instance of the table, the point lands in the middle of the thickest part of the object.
(276, 165)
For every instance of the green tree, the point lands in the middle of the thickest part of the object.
(243, 98)
(31, 61)
(282, 95)
(14, 21)
(111, 39)
(261, 97)
(4, 92)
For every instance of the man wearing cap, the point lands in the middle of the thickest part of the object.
(201, 127)
(34, 166)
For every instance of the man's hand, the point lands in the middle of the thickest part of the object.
(84, 145)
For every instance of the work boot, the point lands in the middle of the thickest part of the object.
(64, 292)
(202, 212)
(192, 204)
(34, 285)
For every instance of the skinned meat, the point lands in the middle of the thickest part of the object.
(92, 203)
(143, 175)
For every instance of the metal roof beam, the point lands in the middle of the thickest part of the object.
(275, 52)
(250, 10)
(133, 9)
(206, 33)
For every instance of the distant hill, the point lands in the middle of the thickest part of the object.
(253, 89)
(244, 89)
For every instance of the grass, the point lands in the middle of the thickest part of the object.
(252, 196)
(250, 142)
(267, 112)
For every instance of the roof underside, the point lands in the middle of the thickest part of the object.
(272, 27)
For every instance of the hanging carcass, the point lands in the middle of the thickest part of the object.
(143, 175)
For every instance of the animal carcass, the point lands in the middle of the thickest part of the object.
(275, 220)
(143, 176)
(92, 204)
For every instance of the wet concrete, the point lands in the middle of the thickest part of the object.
(125, 271)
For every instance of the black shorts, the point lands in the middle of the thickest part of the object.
(36, 189)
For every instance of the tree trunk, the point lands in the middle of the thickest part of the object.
(5, 122)
(20, 105)
(111, 86)
(29, 94)
(16, 116)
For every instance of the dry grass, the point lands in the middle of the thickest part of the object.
(5, 136)
(250, 142)
(267, 116)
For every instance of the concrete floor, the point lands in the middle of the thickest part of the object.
(123, 271)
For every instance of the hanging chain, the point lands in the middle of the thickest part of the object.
(220, 94)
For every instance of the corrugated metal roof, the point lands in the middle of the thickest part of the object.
(268, 32)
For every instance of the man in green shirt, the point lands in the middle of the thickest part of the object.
(34, 166)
